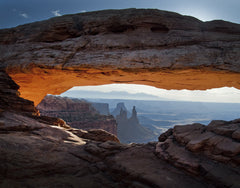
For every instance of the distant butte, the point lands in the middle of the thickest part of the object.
(142, 46)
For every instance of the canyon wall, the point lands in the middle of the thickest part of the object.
(77, 113)
(102, 108)
(141, 46)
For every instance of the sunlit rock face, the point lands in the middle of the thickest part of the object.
(152, 47)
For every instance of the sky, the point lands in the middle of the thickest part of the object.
(16, 12)
(144, 92)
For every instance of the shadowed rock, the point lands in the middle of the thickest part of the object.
(209, 151)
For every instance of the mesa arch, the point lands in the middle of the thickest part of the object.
(140, 46)
(37, 84)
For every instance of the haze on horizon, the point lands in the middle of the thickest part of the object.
(15, 12)
(144, 92)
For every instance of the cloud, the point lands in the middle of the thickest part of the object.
(23, 15)
(82, 11)
(56, 13)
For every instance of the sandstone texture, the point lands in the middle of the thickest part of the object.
(143, 46)
(212, 152)
(39, 151)
(77, 113)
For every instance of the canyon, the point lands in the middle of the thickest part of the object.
(152, 47)
(77, 113)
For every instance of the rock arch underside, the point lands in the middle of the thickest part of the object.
(141, 46)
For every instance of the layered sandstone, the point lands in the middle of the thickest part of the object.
(141, 46)
(77, 113)
(9, 97)
(40, 152)
(151, 47)
(211, 152)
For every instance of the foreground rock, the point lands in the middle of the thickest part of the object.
(45, 152)
(77, 113)
(121, 46)
(40, 152)
(212, 152)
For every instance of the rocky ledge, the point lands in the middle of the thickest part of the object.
(39, 151)
(212, 152)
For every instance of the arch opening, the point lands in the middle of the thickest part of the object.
(144, 112)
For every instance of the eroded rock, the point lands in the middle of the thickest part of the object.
(108, 47)
(44, 152)
(121, 46)
(77, 113)
(205, 151)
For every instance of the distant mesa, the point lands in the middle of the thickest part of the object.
(78, 113)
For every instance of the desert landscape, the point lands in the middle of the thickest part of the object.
(142, 46)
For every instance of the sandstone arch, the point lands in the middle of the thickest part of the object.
(152, 47)
(145, 46)
(35, 85)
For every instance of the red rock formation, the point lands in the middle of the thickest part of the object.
(77, 113)
(133, 46)
(9, 97)
(151, 47)
(37, 153)
(18, 114)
